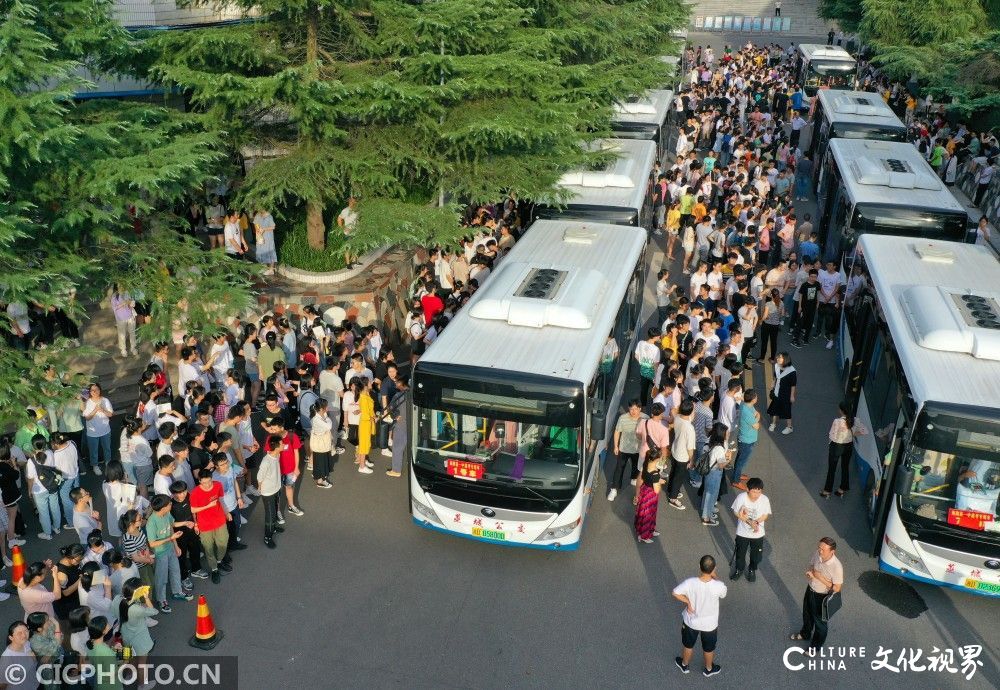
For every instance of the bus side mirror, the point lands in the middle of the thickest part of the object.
(904, 480)
(598, 420)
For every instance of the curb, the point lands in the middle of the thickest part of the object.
(302, 276)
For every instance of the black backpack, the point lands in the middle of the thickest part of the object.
(49, 477)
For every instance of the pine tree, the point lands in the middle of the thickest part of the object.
(414, 106)
(69, 173)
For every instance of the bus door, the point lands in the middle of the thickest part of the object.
(883, 489)
(864, 337)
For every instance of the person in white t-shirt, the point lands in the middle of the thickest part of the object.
(701, 595)
(752, 509)
(233, 237)
(829, 300)
(347, 221)
(220, 357)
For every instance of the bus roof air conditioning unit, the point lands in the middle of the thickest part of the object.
(537, 297)
(953, 320)
(636, 108)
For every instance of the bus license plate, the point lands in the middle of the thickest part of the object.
(489, 534)
(982, 586)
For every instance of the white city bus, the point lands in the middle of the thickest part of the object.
(925, 379)
(618, 194)
(511, 403)
(851, 115)
(644, 118)
(885, 188)
(824, 67)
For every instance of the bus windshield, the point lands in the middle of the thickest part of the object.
(909, 222)
(493, 447)
(833, 75)
(956, 463)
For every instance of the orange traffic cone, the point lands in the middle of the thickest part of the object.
(17, 569)
(205, 634)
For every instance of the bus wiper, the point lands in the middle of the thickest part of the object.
(548, 501)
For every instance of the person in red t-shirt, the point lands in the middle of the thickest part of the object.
(210, 523)
(431, 303)
(288, 461)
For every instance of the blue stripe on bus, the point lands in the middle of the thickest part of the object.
(896, 571)
(547, 547)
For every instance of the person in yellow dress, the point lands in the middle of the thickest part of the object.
(366, 425)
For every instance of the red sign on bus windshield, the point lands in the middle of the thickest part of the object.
(464, 469)
(972, 519)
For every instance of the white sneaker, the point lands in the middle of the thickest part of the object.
(364, 470)
(613, 494)
(386, 452)
(787, 430)
(632, 482)
(97, 470)
(771, 427)
(7, 562)
(17, 542)
(829, 344)
(152, 622)
(4, 596)
(253, 491)
(342, 434)
(369, 464)
(46, 537)
(341, 450)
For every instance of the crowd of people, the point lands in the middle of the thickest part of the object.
(226, 422)
(751, 267)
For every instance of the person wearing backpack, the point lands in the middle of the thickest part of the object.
(307, 398)
(44, 481)
(710, 465)
(647, 354)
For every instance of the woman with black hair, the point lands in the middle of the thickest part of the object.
(102, 657)
(135, 608)
(718, 458)
(842, 433)
(321, 442)
(46, 638)
(68, 575)
(95, 588)
(33, 595)
(18, 653)
(79, 619)
(783, 393)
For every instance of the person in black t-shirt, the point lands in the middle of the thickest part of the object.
(189, 543)
(808, 301)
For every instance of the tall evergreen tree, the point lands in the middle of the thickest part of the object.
(69, 174)
(412, 105)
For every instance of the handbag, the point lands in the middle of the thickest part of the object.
(831, 604)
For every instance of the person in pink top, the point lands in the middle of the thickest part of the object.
(654, 432)
(34, 597)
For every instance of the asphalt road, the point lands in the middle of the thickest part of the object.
(356, 596)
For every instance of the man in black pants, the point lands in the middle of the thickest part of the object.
(752, 509)
(825, 575)
(808, 301)
(626, 447)
(681, 452)
(189, 543)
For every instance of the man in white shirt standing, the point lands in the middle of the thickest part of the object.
(752, 509)
(221, 358)
(829, 300)
(701, 595)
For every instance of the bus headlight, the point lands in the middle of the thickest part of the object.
(559, 532)
(426, 511)
(912, 561)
